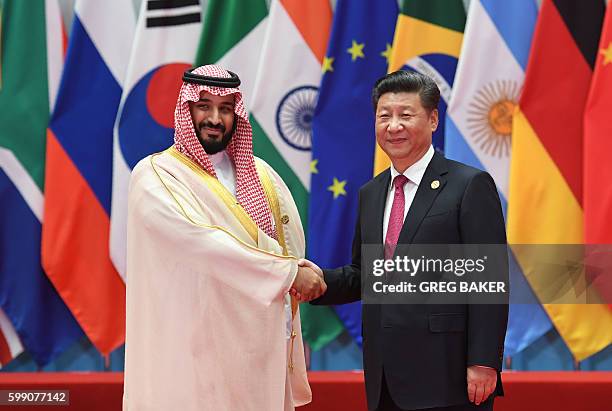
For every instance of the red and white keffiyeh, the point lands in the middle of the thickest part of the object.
(249, 191)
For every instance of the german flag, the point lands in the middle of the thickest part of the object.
(597, 169)
(545, 194)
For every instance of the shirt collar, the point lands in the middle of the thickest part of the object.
(415, 172)
(219, 159)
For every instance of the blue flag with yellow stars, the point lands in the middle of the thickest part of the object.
(343, 138)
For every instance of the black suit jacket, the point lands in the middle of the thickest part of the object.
(424, 350)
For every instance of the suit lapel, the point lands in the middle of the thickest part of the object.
(424, 198)
(379, 198)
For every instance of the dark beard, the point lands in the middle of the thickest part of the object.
(214, 146)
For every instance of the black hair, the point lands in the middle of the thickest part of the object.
(409, 82)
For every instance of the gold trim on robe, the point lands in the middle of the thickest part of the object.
(215, 185)
(272, 197)
(205, 176)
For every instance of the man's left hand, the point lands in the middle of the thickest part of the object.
(481, 382)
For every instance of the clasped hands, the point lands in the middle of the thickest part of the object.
(309, 283)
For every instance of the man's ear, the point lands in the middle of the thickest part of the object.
(433, 119)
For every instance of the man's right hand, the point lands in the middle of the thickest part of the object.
(307, 285)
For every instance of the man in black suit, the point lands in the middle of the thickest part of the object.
(418, 356)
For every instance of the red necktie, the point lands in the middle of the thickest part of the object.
(396, 219)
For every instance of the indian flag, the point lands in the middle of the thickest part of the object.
(281, 94)
(232, 36)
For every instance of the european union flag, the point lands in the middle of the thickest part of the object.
(343, 132)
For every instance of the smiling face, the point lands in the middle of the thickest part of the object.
(213, 120)
(404, 127)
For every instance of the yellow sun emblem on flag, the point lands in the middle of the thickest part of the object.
(490, 117)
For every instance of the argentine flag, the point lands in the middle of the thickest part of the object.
(487, 87)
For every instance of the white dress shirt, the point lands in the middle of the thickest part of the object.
(224, 168)
(414, 173)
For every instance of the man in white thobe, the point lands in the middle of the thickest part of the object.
(214, 239)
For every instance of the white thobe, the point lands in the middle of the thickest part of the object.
(205, 296)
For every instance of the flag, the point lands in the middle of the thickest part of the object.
(428, 39)
(545, 188)
(164, 46)
(479, 122)
(32, 58)
(75, 235)
(284, 101)
(597, 147)
(10, 345)
(232, 37)
(286, 90)
(343, 133)
(244, 49)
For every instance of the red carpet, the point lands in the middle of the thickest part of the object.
(339, 391)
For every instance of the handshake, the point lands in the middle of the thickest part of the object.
(309, 282)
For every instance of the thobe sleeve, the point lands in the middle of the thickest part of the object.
(169, 236)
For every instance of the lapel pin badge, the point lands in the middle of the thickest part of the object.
(435, 184)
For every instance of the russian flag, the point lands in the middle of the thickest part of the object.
(75, 238)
